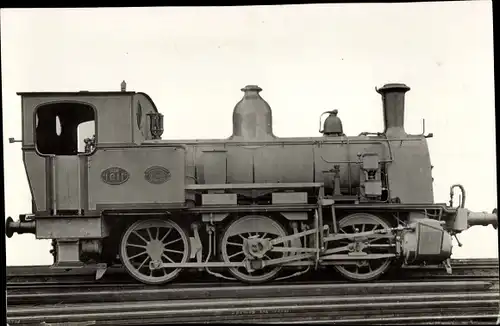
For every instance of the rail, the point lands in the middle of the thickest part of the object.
(472, 296)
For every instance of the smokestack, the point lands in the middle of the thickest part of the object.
(393, 101)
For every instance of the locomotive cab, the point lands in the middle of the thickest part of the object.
(68, 137)
(85, 157)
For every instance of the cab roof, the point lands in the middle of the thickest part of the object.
(80, 93)
(87, 94)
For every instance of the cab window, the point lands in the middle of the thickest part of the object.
(63, 128)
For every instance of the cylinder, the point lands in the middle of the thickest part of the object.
(252, 116)
(393, 103)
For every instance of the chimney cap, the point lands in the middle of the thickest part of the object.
(392, 87)
(251, 88)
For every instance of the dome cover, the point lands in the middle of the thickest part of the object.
(252, 116)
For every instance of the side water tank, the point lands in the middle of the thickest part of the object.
(252, 116)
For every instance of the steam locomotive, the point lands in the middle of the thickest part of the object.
(253, 207)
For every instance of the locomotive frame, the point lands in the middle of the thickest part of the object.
(88, 204)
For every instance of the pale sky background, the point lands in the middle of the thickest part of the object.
(307, 59)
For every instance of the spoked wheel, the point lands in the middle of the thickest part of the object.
(233, 249)
(369, 269)
(150, 242)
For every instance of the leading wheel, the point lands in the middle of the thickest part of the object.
(157, 241)
(234, 251)
(369, 269)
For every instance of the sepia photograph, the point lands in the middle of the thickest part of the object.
(282, 163)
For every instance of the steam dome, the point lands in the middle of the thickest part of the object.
(252, 116)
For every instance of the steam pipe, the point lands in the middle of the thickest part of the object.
(20, 227)
(462, 201)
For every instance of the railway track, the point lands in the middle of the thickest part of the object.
(18, 276)
(471, 296)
